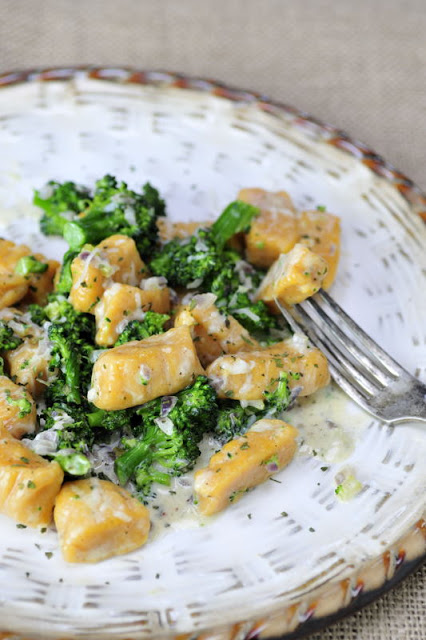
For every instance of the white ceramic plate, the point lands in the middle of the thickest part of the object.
(200, 143)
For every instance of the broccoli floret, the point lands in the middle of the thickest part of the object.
(204, 262)
(8, 340)
(202, 256)
(184, 261)
(61, 203)
(37, 314)
(154, 455)
(233, 419)
(65, 357)
(70, 426)
(152, 324)
(278, 400)
(72, 335)
(28, 265)
(117, 209)
(1, 366)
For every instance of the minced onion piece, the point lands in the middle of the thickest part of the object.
(154, 283)
(167, 404)
(194, 284)
(44, 444)
(165, 424)
(247, 312)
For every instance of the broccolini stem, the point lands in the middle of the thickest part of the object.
(65, 279)
(28, 265)
(234, 219)
(145, 479)
(126, 464)
(95, 419)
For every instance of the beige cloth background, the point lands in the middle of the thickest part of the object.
(359, 64)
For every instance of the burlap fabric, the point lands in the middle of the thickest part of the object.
(359, 64)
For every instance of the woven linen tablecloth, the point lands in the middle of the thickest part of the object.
(359, 65)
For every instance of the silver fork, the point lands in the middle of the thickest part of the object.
(359, 366)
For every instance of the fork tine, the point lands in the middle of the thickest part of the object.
(340, 367)
(328, 304)
(345, 344)
(338, 359)
(350, 390)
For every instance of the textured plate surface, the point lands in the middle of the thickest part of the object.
(200, 149)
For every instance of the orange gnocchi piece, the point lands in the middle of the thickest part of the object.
(135, 372)
(96, 520)
(246, 376)
(29, 484)
(274, 231)
(267, 447)
(213, 332)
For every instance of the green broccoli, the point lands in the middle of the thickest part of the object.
(117, 209)
(120, 420)
(156, 454)
(204, 263)
(70, 426)
(233, 419)
(8, 340)
(61, 203)
(28, 265)
(74, 463)
(201, 257)
(72, 336)
(64, 284)
(23, 404)
(152, 324)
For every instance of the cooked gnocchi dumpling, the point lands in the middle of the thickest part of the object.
(97, 520)
(243, 463)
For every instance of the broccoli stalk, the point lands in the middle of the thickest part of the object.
(111, 420)
(28, 265)
(236, 218)
(64, 284)
(155, 448)
(155, 456)
(204, 248)
(81, 218)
